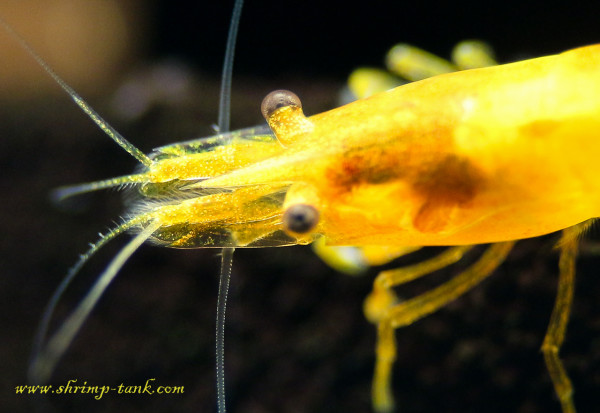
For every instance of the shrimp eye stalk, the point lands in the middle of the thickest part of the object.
(282, 110)
(300, 218)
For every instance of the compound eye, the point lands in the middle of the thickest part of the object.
(300, 218)
(278, 99)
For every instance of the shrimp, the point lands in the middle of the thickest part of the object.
(304, 193)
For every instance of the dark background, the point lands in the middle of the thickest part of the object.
(296, 338)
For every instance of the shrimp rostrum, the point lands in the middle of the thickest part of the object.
(490, 155)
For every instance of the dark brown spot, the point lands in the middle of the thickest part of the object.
(368, 166)
(450, 183)
(452, 179)
(399, 153)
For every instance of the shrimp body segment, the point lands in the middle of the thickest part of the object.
(485, 155)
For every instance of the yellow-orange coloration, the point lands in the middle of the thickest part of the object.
(489, 155)
(449, 160)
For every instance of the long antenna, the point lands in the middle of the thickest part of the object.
(226, 75)
(227, 253)
(92, 114)
(224, 278)
(44, 358)
(40, 337)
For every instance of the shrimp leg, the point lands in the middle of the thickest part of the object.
(555, 334)
(406, 313)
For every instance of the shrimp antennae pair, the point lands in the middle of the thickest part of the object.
(46, 353)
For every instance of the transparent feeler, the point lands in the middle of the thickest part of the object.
(227, 253)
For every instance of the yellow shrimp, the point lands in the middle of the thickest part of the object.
(417, 165)
(247, 187)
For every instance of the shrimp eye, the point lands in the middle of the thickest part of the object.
(300, 218)
(278, 99)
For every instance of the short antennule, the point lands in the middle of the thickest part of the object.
(60, 194)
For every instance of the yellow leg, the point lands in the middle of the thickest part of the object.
(411, 63)
(406, 313)
(357, 260)
(472, 54)
(560, 316)
(381, 392)
(382, 298)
